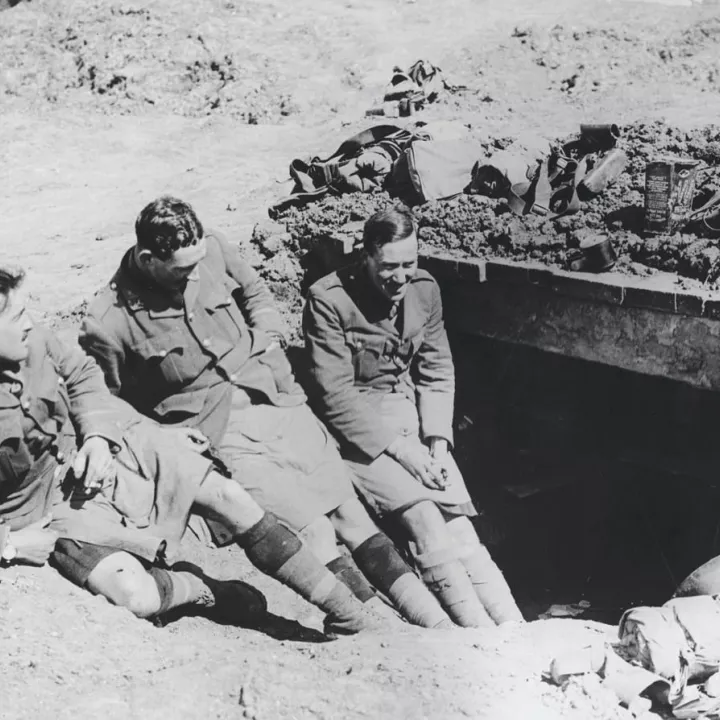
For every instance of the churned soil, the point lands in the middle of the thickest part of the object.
(479, 226)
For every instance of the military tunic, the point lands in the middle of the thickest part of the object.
(213, 360)
(375, 377)
(57, 399)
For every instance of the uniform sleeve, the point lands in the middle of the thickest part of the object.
(93, 410)
(106, 349)
(332, 382)
(255, 300)
(435, 375)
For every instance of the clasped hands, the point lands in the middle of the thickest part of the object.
(428, 464)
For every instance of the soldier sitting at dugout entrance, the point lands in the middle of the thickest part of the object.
(188, 334)
(106, 493)
(382, 378)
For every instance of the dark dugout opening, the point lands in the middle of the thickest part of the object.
(593, 482)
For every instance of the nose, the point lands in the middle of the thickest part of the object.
(26, 321)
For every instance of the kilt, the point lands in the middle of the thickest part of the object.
(145, 510)
(286, 460)
(387, 487)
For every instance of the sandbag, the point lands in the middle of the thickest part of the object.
(434, 170)
(679, 641)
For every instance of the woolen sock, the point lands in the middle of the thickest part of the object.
(445, 575)
(490, 584)
(488, 581)
(348, 573)
(389, 573)
(278, 552)
(180, 588)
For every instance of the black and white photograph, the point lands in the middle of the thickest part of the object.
(360, 360)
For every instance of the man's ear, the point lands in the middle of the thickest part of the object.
(144, 256)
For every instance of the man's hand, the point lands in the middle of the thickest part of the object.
(439, 452)
(34, 543)
(95, 464)
(418, 461)
(190, 438)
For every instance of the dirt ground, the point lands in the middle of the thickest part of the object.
(106, 105)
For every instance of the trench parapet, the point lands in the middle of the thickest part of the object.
(653, 325)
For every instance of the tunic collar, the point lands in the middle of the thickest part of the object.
(142, 293)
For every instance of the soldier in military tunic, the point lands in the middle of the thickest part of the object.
(382, 378)
(189, 335)
(106, 493)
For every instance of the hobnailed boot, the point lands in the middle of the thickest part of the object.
(278, 552)
(445, 575)
(487, 579)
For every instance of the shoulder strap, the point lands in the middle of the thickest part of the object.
(539, 197)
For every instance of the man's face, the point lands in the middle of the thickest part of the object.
(15, 326)
(392, 266)
(172, 274)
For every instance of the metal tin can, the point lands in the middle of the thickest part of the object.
(669, 191)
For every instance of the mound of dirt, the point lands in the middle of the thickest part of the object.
(482, 227)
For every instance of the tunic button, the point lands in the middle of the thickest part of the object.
(191, 315)
(25, 405)
(113, 286)
(206, 342)
(163, 353)
(233, 377)
(61, 381)
(60, 456)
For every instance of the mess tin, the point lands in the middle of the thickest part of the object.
(595, 257)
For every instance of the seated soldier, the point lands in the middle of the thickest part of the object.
(188, 334)
(115, 490)
(383, 377)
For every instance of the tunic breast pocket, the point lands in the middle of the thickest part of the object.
(368, 355)
(171, 359)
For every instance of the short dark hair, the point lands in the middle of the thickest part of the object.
(387, 226)
(10, 279)
(166, 225)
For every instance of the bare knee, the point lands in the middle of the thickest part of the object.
(320, 537)
(426, 526)
(225, 500)
(352, 523)
(123, 580)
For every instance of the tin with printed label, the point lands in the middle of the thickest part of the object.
(669, 191)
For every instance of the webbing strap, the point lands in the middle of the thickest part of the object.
(709, 210)
(320, 177)
(539, 197)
